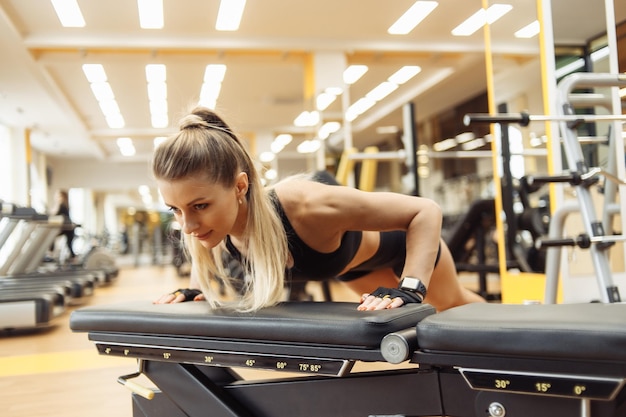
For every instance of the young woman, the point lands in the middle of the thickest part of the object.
(67, 230)
(384, 246)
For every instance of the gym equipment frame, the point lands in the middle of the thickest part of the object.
(580, 176)
(474, 360)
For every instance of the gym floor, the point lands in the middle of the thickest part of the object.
(55, 372)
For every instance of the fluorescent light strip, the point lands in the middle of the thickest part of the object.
(480, 18)
(229, 15)
(212, 85)
(381, 91)
(335, 91)
(146, 194)
(209, 94)
(68, 13)
(115, 121)
(150, 14)
(267, 156)
(103, 92)
(324, 100)
(158, 107)
(473, 144)
(95, 73)
(309, 146)
(327, 129)
(471, 25)
(496, 11)
(159, 121)
(126, 146)
(109, 106)
(158, 140)
(271, 174)
(353, 73)
(307, 119)
(124, 142)
(327, 97)
(156, 73)
(412, 17)
(444, 145)
(359, 107)
(464, 137)
(404, 74)
(157, 90)
(156, 76)
(529, 31)
(214, 73)
(280, 141)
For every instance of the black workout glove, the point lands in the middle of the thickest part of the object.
(406, 296)
(189, 293)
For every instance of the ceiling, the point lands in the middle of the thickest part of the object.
(42, 86)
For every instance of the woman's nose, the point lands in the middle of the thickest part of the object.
(189, 225)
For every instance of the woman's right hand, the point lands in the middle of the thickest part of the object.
(180, 295)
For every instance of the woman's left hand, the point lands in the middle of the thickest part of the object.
(372, 302)
(180, 296)
(384, 298)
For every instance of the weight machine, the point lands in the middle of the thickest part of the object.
(580, 176)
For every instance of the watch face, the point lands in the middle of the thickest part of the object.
(413, 285)
(410, 283)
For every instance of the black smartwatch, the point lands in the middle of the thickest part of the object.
(413, 285)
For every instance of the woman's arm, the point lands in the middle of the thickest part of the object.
(321, 214)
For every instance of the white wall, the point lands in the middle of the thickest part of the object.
(14, 168)
(6, 187)
(99, 175)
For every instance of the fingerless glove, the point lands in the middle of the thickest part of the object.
(189, 293)
(406, 296)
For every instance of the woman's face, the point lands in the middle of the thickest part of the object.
(206, 211)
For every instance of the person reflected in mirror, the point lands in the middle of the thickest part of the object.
(62, 209)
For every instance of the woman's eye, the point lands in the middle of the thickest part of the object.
(174, 210)
(201, 206)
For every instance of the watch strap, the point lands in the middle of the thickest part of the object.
(414, 285)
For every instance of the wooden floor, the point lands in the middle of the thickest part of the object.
(58, 373)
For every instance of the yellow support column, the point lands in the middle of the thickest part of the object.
(369, 169)
(516, 286)
(29, 159)
(345, 167)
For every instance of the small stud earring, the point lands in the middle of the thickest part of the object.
(240, 202)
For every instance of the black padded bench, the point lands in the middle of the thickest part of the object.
(552, 360)
(474, 360)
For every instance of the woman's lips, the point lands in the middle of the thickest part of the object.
(204, 236)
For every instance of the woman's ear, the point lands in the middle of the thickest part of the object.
(241, 185)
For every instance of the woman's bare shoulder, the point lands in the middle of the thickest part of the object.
(295, 190)
(311, 208)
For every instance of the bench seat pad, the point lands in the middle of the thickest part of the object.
(317, 323)
(590, 331)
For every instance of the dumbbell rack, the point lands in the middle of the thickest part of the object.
(596, 236)
(581, 177)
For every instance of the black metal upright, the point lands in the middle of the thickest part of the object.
(410, 142)
(508, 192)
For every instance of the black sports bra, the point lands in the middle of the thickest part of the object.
(309, 264)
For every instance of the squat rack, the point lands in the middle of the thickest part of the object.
(580, 176)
